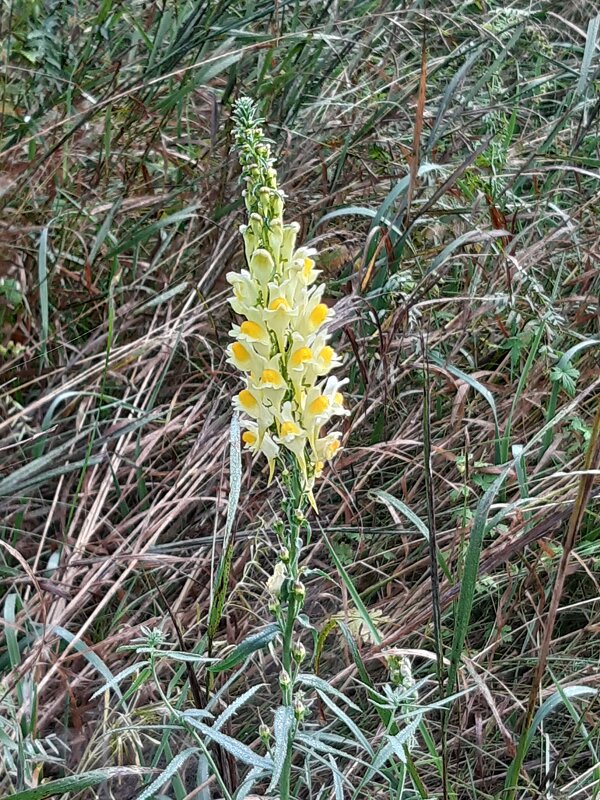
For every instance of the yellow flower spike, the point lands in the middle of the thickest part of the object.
(281, 341)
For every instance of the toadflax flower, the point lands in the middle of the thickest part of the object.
(281, 343)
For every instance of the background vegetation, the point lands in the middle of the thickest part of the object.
(453, 192)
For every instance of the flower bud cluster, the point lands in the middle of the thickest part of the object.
(281, 346)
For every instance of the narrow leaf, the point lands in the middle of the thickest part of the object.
(166, 774)
(469, 579)
(282, 727)
(43, 292)
(323, 686)
(241, 752)
(235, 706)
(359, 736)
(74, 783)
(250, 645)
(360, 606)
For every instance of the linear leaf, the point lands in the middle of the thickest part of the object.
(588, 54)
(547, 707)
(282, 726)
(338, 786)
(238, 750)
(360, 606)
(392, 501)
(250, 645)
(323, 686)
(469, 579)
(348, 722)
(74, 783)
(219, 595)
(166, 774)
(43, 291)
(235, 706)
(120, 676)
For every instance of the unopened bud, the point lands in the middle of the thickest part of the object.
(298, 590)
(284, 679)
(299, 709)
(284, 555)
(264, 193)
(264, 732)
(299, 652)
(274, 606)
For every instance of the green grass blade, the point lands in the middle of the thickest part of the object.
(469, 578)
(360, 606)
(75, 783)
(43, 290)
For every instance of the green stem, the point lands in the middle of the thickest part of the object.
(288, 633)
(288, 619)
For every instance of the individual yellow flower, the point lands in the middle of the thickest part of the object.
(258, 443)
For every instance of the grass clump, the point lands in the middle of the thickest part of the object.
(444, 163)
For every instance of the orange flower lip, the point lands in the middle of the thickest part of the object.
(319, 405)
(240, 352)
(279, 302)
(289, 429)
(247, 399)
(271, 376)
(300, 356)
(319, 314)
(251, 329)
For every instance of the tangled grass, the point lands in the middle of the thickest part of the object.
(453, 191)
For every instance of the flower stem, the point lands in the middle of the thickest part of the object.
(293, 543)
